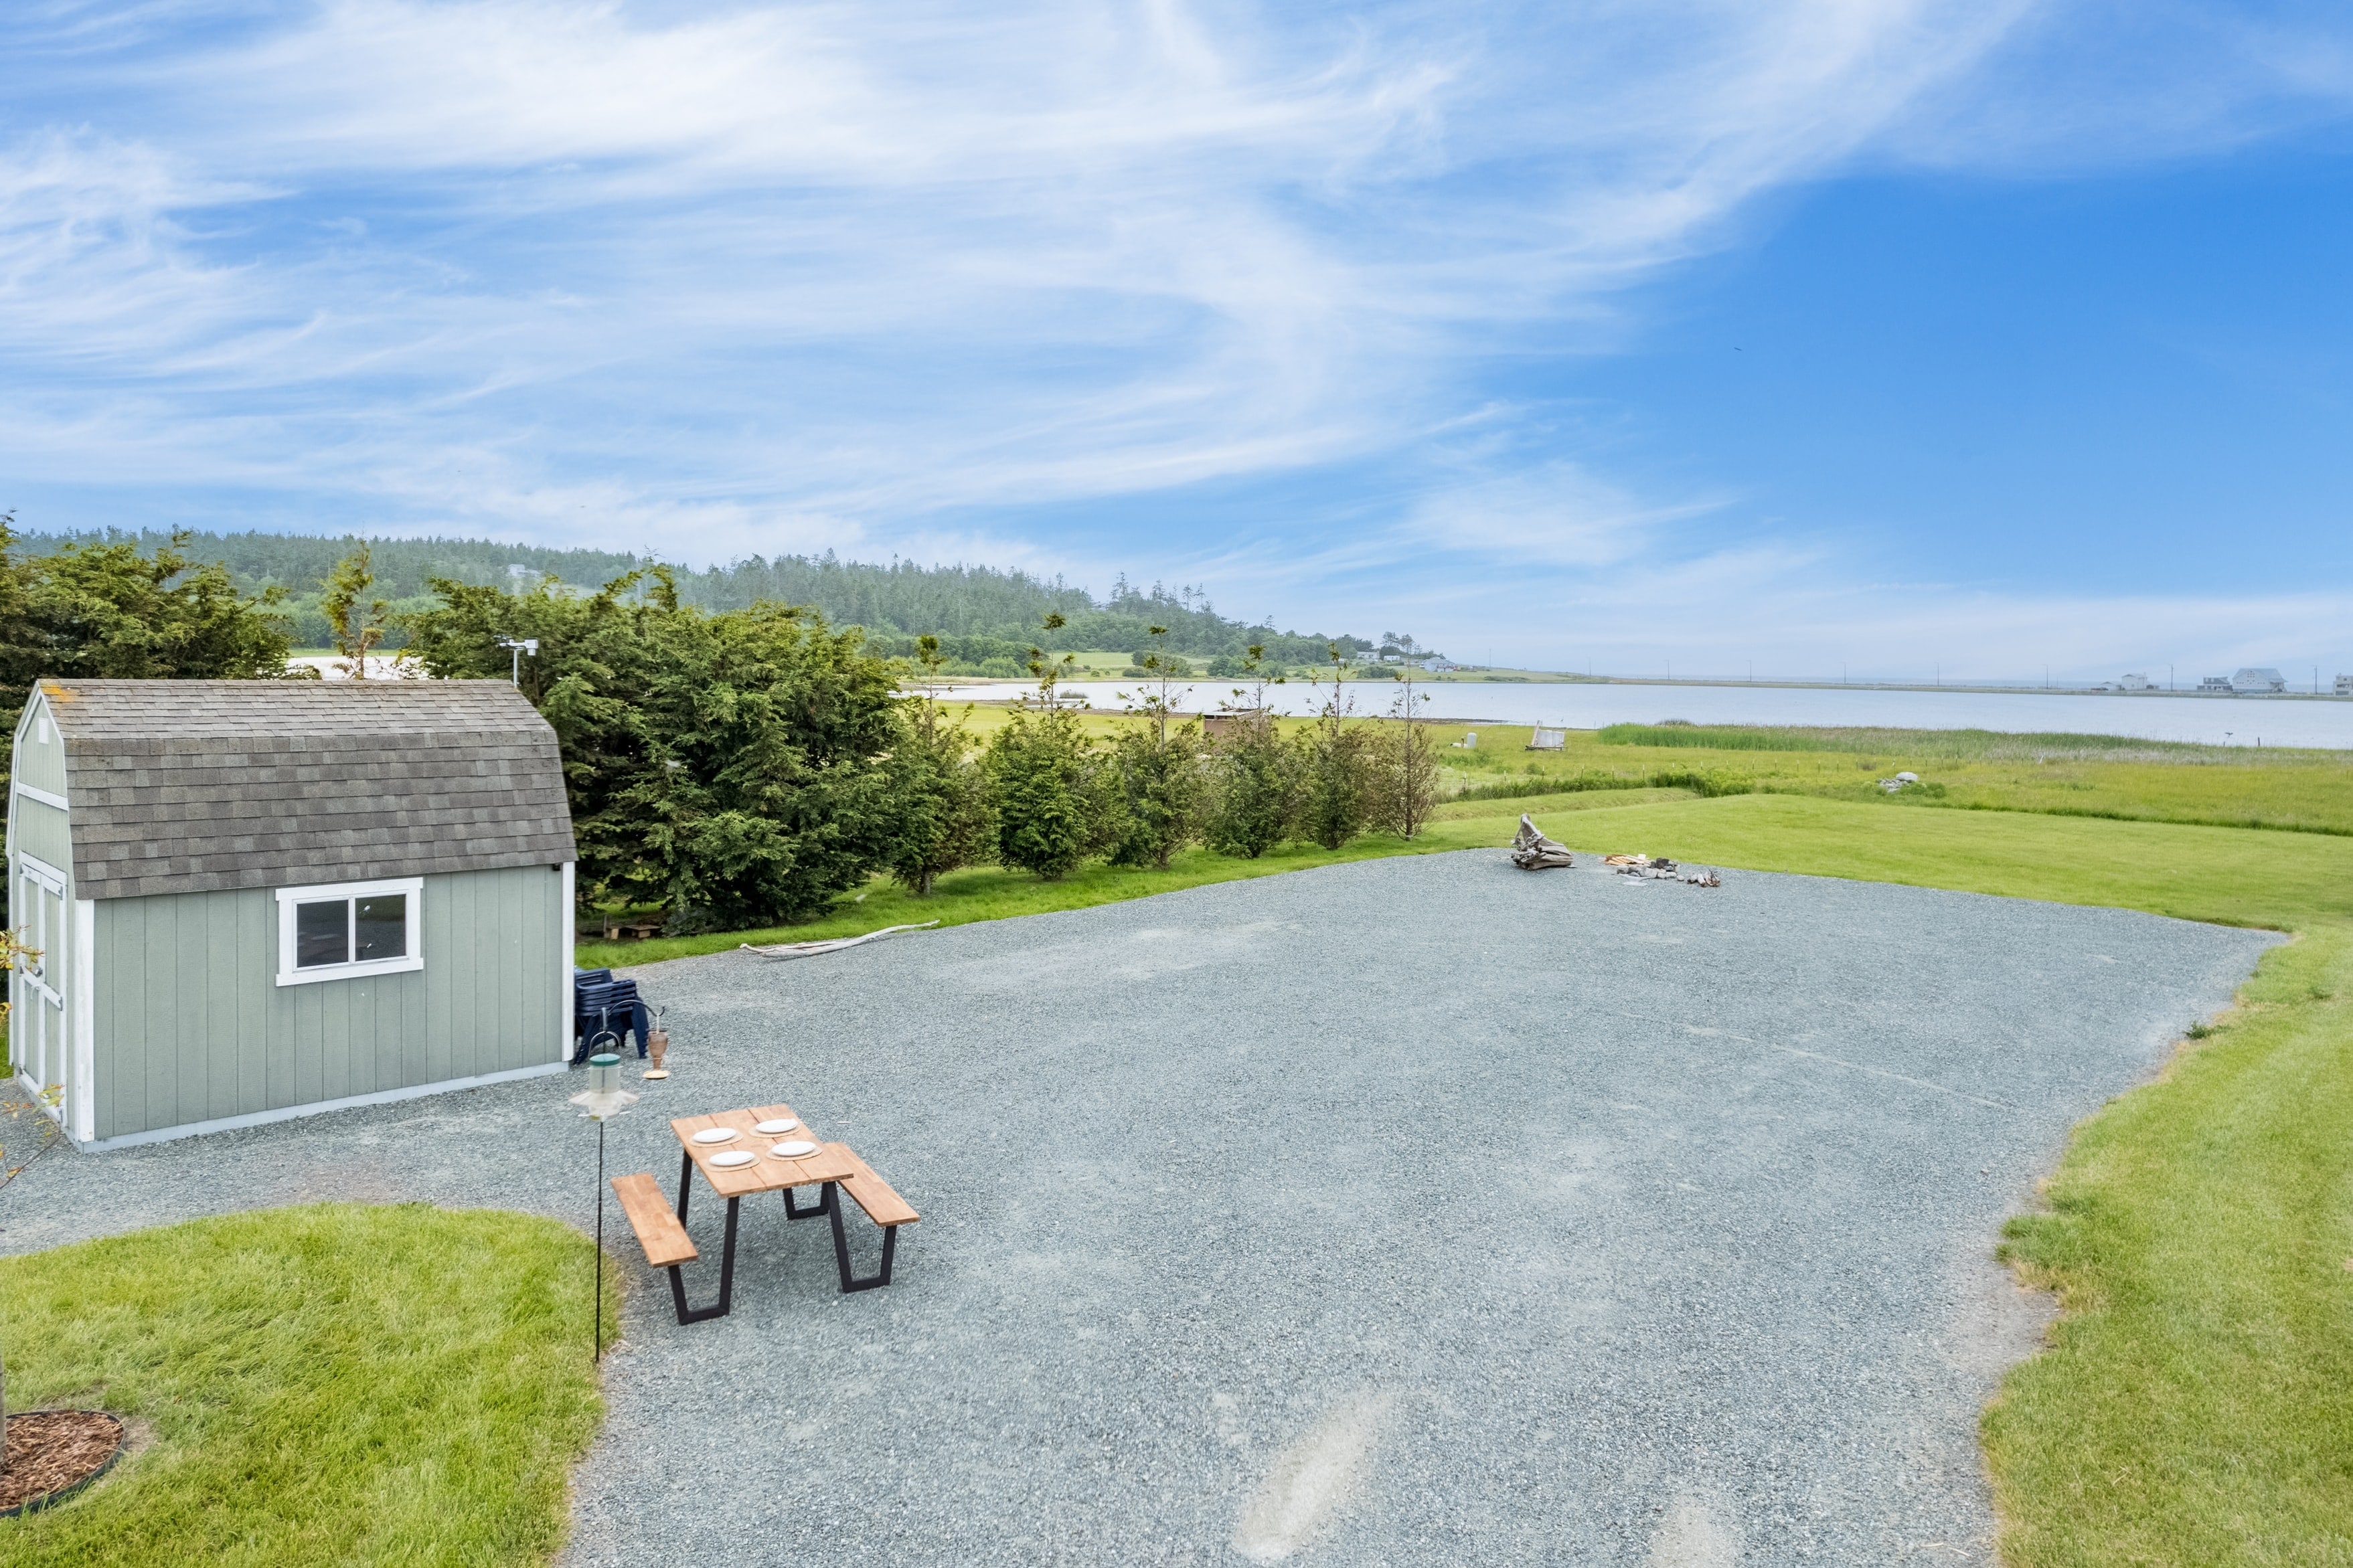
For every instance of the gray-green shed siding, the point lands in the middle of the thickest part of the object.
(192, 1026)
(43, 832)
(39, 762)
(41, 829)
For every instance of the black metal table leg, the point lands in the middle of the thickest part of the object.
(823, 1207)
(726, 1256)
(842, 1250)
(726, 1277)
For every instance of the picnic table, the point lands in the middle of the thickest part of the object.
(834, 1167)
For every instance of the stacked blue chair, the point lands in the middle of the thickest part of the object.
(602, 1005)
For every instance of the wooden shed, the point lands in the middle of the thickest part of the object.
(256, 899)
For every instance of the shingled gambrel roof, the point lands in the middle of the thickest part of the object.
(190, 786)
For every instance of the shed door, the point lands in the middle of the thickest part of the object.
(37, 1024)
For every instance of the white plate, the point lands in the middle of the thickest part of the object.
(733, 1158)
(798, 1148)
(714, 1135)
(776, 1126)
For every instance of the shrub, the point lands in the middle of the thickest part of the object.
(1048, 813)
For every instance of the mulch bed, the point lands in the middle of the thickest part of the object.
(52, 1451)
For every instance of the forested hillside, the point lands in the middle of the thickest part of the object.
(986, 620)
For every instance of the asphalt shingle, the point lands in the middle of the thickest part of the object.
(190, 786)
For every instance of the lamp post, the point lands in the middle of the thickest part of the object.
(520, 646)
(602, 1100)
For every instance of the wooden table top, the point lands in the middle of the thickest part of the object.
(767, 1173)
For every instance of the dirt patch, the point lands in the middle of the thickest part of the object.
(53, 1451)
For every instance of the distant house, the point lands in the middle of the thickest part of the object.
(2258, 682)
(2216, 683)
(2136, 683)
(1214, 724)
(1543, 740)
(2345, 685)
(256, 899)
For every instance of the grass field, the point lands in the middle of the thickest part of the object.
(321, 1385)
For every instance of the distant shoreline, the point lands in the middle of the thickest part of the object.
(1720, 684)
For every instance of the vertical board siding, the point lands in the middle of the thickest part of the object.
(42, 765)
(192, 1025)
(43, 832)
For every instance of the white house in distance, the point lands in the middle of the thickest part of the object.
(2258, 682)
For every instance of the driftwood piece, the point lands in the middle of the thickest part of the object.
(811, 948)
(1532, 851)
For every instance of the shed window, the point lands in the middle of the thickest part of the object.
(348, 928)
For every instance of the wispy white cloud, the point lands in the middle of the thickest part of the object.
(772, 277)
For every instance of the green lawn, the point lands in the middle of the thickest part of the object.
(330, 1385)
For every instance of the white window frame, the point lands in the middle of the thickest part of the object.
(414, 887)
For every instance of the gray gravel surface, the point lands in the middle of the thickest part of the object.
(1416, 1208)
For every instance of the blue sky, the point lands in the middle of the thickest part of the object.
(1899, 334)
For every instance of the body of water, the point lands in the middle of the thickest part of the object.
(2216, 720)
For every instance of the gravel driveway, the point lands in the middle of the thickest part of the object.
(1416, 1208)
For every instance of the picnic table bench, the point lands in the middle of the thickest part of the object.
(835, 1168)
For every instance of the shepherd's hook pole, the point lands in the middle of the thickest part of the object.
(599, 1357)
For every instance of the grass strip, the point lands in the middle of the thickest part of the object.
(337, 1384)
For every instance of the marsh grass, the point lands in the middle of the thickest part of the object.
(330, 1385)
(1958, 745)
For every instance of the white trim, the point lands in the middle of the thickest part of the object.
(290, 1112)
(81, 1018)
(45, 871)
(328, 892)
(44, 796)
(564, 996)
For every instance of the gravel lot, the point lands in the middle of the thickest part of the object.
(1596, 1222)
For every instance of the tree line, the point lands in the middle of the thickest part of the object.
(750, 766)
(984, 618)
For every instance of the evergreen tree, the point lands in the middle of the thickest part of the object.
(355, 620)
(1254, 779)
(1047, 813)
(1404, 765)
(731, 767)
(107, 612)
(1333, 776)
(1046, 793)
(1158, 769)
(939, 792)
